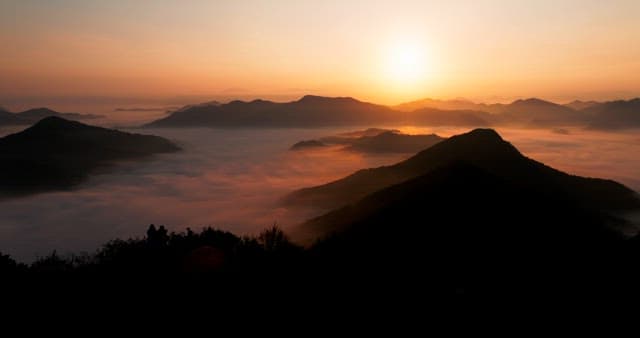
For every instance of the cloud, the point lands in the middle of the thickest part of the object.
(231, 179)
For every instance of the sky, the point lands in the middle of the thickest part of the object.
(381, 51)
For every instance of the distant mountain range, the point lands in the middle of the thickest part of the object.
(580, 105)
(373, 140)
(317, 111)
(32, 116)
(458, 104)
(481, 148)
(57, 154)
(308, 144)
(615, 114)
(309, 111)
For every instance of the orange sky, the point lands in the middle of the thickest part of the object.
(483, 50)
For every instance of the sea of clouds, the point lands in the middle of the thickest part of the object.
(232, 179)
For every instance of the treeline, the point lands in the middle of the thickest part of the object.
(372, 267)
(161, 252)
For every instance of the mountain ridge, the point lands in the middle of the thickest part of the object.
(34, 115)
(57, 154)
(483, 148)
(321, 111)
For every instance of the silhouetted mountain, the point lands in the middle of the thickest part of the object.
(461, 229)
(480, 219)
(374, 140)
(34, 115)
(309, 111)
(580, 105)
(460, 197)
(529, 112)
(392, 142)
(459, 104)
(482, 148)
(56, 154)
(10, 119)
(317, 111)
(615, 114)
(536, 112)
(366, 132)
(198, 105)
(347, 137)
(143, 109)
(310, 144)
(437, 117)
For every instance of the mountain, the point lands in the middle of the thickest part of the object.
(366, 132)
(56, 154)
(580, 105)
(615, 114)
(32, 116)
(199, 105)
(37, 114)
(464, 118)
(318, 111)
(309, 111)
(10, 119)
(308, 144)
(373, 140)
(530, 112)
(458, 104)
(479, 219)
(482, 148)
(460, 198)
(392, 142)
(461, 230)
(538, 112)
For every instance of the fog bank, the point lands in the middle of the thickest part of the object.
(232, 179)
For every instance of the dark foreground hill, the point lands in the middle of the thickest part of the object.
(482, 148)
(57, 154)
(460, 199)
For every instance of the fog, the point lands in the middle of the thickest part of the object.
(232, 179)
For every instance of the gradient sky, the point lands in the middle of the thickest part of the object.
(484, 50)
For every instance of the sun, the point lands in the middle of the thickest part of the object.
(406, 63)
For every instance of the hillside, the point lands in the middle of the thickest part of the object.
(58, 154)
(309, 111)
(34, 115)
(485, 149)
(615, 115)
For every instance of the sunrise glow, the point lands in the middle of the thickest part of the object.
(407, 63)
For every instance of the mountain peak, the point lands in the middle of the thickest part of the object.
(317, 99)
(531, 100)
(484, 137)
(55, 124)
(480, 145)
(40, 109)
(56, 121)
(485, 133)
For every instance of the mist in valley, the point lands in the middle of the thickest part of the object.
(232, 179)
